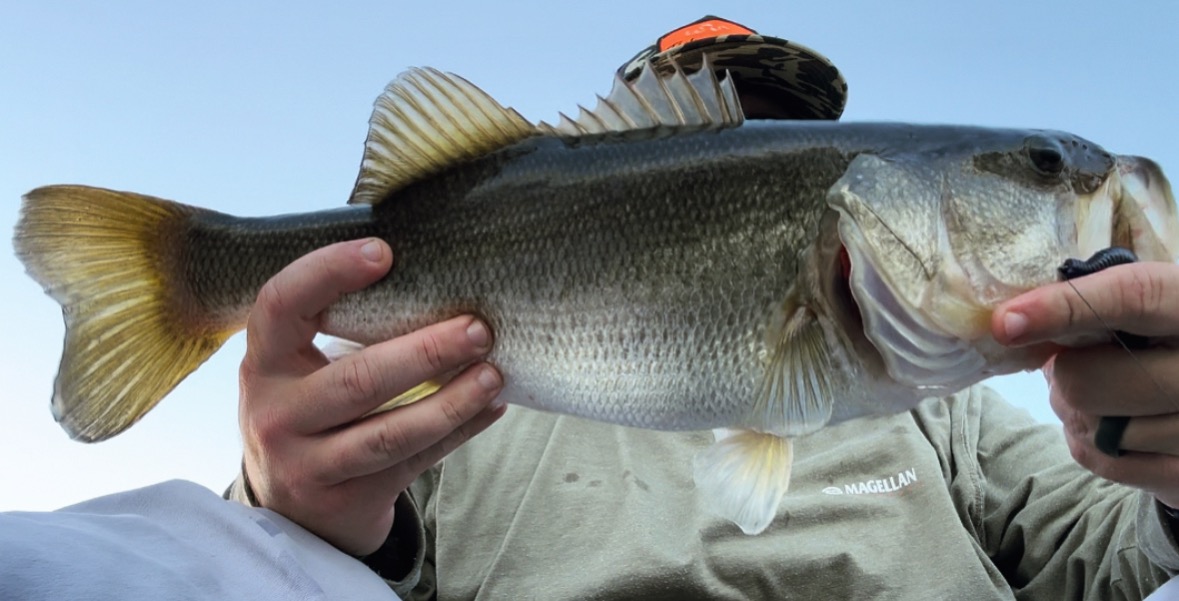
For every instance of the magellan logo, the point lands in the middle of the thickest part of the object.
(876, 487)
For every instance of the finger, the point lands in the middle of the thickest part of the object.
(1136, 298)
(1152, 472)
(1077, 424)
(1157, 434)
(360, 382)
(1106, 380)
(377, 492)
(388, 439)
(285, 318)
(400, 476)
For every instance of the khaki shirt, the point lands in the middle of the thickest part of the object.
(962, 498)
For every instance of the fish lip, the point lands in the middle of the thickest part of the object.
(916, 352)
(1134, 208)
(1142, 181)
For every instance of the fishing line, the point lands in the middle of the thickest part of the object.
(1110, 429)
(1120, 337)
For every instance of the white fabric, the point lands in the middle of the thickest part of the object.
(175, 540)
(1166, 592)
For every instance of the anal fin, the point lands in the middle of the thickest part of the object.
(744, 475)
(412, 395)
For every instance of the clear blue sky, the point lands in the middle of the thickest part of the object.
(260, 108)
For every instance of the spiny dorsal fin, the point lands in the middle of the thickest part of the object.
(655, 102)
(426, 121)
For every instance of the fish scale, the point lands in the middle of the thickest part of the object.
(686, 259)
(762, 280)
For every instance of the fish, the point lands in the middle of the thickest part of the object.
(656, 262)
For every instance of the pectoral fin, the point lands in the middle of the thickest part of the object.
(795, 395)
(744, 475)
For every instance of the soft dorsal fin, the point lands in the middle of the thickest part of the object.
(426, 121)
(655, 102)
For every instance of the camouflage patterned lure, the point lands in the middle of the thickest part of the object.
(653, 263)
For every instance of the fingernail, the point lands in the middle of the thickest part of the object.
(1015, 324)
(371, 251)
(488, 378)
(477, 333)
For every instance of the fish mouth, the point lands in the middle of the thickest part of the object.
(913, 349)
(1146, 219)
(1134, 209)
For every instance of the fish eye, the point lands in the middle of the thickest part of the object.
(1046, 155)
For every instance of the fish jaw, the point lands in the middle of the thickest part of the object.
(1134, 209)
(1147, 214)
(914, 313)
(931, 323)
(917, 352)
(933, 251)
(926, 306)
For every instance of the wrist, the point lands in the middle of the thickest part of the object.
(247, 488)
(400, 556)
(241, 490)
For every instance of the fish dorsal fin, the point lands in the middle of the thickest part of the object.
(426, 121)
(655, 102)
(795, 394)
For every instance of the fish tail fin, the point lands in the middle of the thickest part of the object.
(133, 330)
(744, 476)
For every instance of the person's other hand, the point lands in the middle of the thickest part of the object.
(310, 454)
(1105, 380)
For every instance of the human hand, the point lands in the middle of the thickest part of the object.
(310, 454)
(1089, 383)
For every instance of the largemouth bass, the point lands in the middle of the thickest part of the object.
(654, 263)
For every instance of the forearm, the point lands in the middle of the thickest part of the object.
(1054, 529)
(1065, 534)
(1157, 534)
